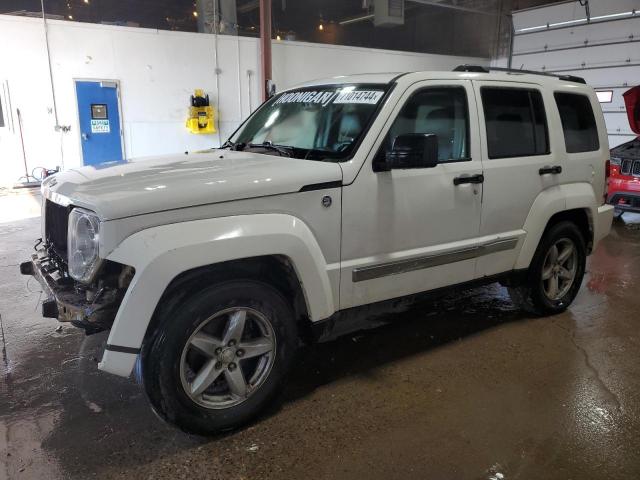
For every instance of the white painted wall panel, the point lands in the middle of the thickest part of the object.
(582, 58)
(541, 16)
(25, 69)
(296, 62)
(610, 76)
(568, 11)
(157, 72)
(602, 66)
(579, 36)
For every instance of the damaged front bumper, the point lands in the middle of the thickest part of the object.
(68, 301)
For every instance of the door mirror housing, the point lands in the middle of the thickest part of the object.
(411, 150)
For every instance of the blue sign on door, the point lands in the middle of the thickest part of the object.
(99, 122)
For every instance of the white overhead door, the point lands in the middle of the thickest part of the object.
(603, 48)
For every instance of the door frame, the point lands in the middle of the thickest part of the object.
(440, 255)
(120, 117)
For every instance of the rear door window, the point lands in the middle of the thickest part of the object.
(578, 122)
(516, 122)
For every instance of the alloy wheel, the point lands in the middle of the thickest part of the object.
(228, 357)
(559, 269)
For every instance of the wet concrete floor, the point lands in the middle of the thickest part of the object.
(463, 388)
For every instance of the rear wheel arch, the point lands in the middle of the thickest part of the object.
(581, 217)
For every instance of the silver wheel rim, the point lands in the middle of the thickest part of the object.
(559, 269)
(227, 358)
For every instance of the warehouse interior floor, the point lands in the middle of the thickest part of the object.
(466, 387)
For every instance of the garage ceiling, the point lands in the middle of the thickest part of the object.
(458, 27)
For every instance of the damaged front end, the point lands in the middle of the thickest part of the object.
(91, 307)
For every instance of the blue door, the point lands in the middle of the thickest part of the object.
(99, 122)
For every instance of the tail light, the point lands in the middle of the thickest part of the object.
(607, 174)
(615, 164)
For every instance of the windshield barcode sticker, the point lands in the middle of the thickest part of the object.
(359, 96)
(306, 97)
(326, 97)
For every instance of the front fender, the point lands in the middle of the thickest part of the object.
(159, 254)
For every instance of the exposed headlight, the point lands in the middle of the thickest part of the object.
(82, 243)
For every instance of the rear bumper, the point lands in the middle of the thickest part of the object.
(602, 223)
(631, 201)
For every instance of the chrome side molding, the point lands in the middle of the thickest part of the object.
(419, 263)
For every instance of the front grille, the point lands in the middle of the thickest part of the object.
(630, 167)
(56, 220)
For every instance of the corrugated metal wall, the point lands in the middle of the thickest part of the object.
(604, 50)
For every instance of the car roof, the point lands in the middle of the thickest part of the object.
(385, 78)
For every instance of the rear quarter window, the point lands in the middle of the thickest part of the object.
(578, 122)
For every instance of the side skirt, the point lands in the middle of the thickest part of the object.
(370, 316)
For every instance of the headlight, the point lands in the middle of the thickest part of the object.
(82, 243)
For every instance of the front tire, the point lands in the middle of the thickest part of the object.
(556, 272)
(219, 356)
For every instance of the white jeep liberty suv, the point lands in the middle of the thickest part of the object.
(210, 267)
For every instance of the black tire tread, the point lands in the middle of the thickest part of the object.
(158, 355)
(529, 296)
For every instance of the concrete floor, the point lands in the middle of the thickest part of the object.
(465, 388)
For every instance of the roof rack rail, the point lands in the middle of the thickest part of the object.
(471, 68)
(481, 69)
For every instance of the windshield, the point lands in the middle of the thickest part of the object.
(322, 122)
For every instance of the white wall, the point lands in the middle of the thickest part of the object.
(157, 72)
(605, 52)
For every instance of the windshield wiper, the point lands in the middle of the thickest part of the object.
(281, 149)
(322, 155)
(233, 145)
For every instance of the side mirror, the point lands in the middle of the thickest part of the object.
(412, 150)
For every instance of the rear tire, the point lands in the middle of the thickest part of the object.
(555, 273)
(219, 356)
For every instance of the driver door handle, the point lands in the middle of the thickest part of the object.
(547, 169)
(479, 178)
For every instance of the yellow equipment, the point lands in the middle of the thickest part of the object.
(201, 114)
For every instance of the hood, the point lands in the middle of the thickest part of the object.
(161, 183)
(632, 102)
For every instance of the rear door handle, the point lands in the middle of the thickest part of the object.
(468, 179)
(547, 169)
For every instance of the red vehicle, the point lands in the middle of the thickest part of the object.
(624, 181)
